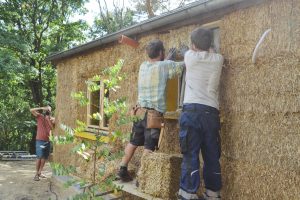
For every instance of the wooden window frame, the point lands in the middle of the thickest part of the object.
(101, 108)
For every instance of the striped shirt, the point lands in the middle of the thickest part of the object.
(153, 77)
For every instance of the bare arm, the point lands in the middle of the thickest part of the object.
(52, 122)
(34, 111)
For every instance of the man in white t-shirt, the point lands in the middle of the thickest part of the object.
(199, 120)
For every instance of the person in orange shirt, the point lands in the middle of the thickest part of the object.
(45, 123)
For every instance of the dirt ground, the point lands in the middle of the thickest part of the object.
(16, 183)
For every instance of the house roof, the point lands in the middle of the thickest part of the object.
(193, 13)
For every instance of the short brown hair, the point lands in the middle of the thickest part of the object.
(201, 38)
(154, 47)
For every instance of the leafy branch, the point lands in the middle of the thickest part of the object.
(103, 148)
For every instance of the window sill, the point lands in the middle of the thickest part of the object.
(97, 129)
(92, 136)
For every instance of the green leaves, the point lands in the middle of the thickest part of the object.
(60, 170)
(82, 152)
(102, 151)
(97, 116)
(81, 126)
(93, 85)
(110, 21)
(68, 138)
(30, 30)
(80, 97)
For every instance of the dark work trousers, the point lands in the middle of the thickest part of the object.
(199, 130)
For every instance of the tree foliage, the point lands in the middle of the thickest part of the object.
(153, 8)
(107, 146)
(111, 19)
(30, 30)
(14, 114)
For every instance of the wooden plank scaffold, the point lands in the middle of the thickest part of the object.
(131, 188)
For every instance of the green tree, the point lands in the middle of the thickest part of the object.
(111, 20)
(15, 124)
(30, 30)
(153, 8)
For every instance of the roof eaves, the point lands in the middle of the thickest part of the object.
(180, 14)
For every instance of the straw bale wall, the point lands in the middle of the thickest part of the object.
(260, 103)
(249, 180)
(74, 71)
(170, 140)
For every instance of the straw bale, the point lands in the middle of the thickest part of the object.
(110, 169)
(159, 174)
(260, 103)
(269, 76)
(65, 85)
(241, 30)
(68, 158)
(135, 162)
(72, 74)
(128, 196)
(271, 139)
(248, 181)
(170, 139)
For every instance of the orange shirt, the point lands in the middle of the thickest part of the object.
(44, 126)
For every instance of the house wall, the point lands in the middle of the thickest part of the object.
(73, 72)
(260, 103)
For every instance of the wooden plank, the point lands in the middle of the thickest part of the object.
(130, 187)
(162, 131)
(172, 115)
(172, 94)
(92, 136)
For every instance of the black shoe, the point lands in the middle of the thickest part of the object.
(123, 175)
(137, 183)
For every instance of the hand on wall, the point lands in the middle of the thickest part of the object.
(172, 54)
(182, 50)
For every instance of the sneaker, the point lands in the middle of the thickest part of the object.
(123, 175)
(42, 176)
(137, 184)
(179, 197)
(211, 196)
(36, 177)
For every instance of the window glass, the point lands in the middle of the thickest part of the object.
(94, 106)
(98, 100)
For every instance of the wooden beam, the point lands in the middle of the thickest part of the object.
(130, 187)
(92, 136)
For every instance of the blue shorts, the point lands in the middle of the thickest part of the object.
(42, 149)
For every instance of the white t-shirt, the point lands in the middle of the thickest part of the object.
(203, 71)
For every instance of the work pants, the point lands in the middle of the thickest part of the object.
(199, 130)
